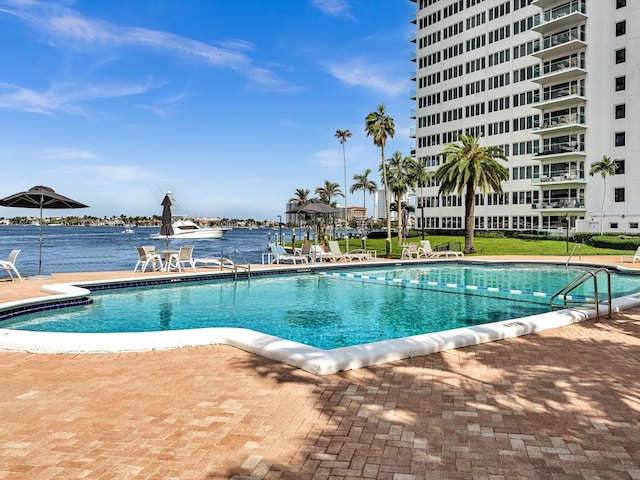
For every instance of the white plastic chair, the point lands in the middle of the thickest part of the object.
(147, 256)
(10, 264)
(184, 256)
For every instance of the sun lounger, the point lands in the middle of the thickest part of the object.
(426, 251)
(213, 262)
(10, 264)
(635, 258)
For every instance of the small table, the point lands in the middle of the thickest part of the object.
(166, 254)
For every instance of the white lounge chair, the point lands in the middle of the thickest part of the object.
(10, 264)
(280, 255)
(146, 256)
(635, 258)
(426, 250)
(183, 257)
(410, 251)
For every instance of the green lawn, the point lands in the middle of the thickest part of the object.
(492, 246)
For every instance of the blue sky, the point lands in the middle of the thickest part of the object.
(231, 105)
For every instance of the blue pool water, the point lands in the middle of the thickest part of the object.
(332, 309)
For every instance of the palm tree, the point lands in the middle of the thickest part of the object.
(467, 168)
(342, 135)
(420, 177)
(379, 125)
(604, 167)
(362, 182)
(398, 181)
(301, 196)
(327, 192)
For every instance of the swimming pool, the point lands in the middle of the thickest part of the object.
(346, 317)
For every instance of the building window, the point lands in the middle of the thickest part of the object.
(621, 83)
(621, 55)
(613, 225)
(620, 139)
(619, 167)
(618, 194)
(633, 224)
(621, 3)
(621, 28)
(620, 111)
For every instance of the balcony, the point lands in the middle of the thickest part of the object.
(560, 70)
(412, 132)
(561, 177)
(547, 3)
(412, 56)
(414, 18)
(566, 151)
(559, 44)
(564, 97)
(412, 94)
(412, 76)
(561, 124)
(413, 37)
(412, 113)
(563, 16)
(560, 205)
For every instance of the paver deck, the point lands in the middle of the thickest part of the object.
(561, 404)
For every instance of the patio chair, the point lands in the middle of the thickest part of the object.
(10, 264)
(410, 251)
(183, 257)
(280, 255)
(334, 254)
(635, 258)
(426, 250)
(148, 256)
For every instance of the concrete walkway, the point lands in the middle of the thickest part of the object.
(562, 404)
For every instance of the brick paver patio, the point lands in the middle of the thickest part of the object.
(562, 404)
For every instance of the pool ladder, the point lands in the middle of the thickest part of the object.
(584, 277)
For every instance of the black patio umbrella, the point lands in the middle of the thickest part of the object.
(40, 197)
(167, 228)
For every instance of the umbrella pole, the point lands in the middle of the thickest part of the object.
(40, 240)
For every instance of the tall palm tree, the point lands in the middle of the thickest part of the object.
(467, 168)
(379, 125)
(342, 135)
(420, 177)
(364, 183)
(604, 167)
(398, 181)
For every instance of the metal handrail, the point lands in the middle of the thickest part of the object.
(579, 247)
(575, 283)
(246, 267)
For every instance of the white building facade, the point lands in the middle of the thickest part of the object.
(556, 84)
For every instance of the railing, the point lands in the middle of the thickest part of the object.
(233, 264)
(563, 64)
(560, 121)
(449, 246)
(560, 38)
(562, 11)
(558, 176)
(559, 203)
(564, 92)
(557, 148)
(584, 277)
(579, 247)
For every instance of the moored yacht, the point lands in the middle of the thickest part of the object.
(189, 229)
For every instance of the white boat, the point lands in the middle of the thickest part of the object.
(128, 231)
(188, 229)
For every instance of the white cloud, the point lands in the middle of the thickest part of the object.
(359, 73)
(66, 26)
(62, 98)
(334, 8)
(67, 153)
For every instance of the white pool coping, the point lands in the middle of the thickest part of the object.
(310, 359)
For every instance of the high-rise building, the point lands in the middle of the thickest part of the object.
(549, 81)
